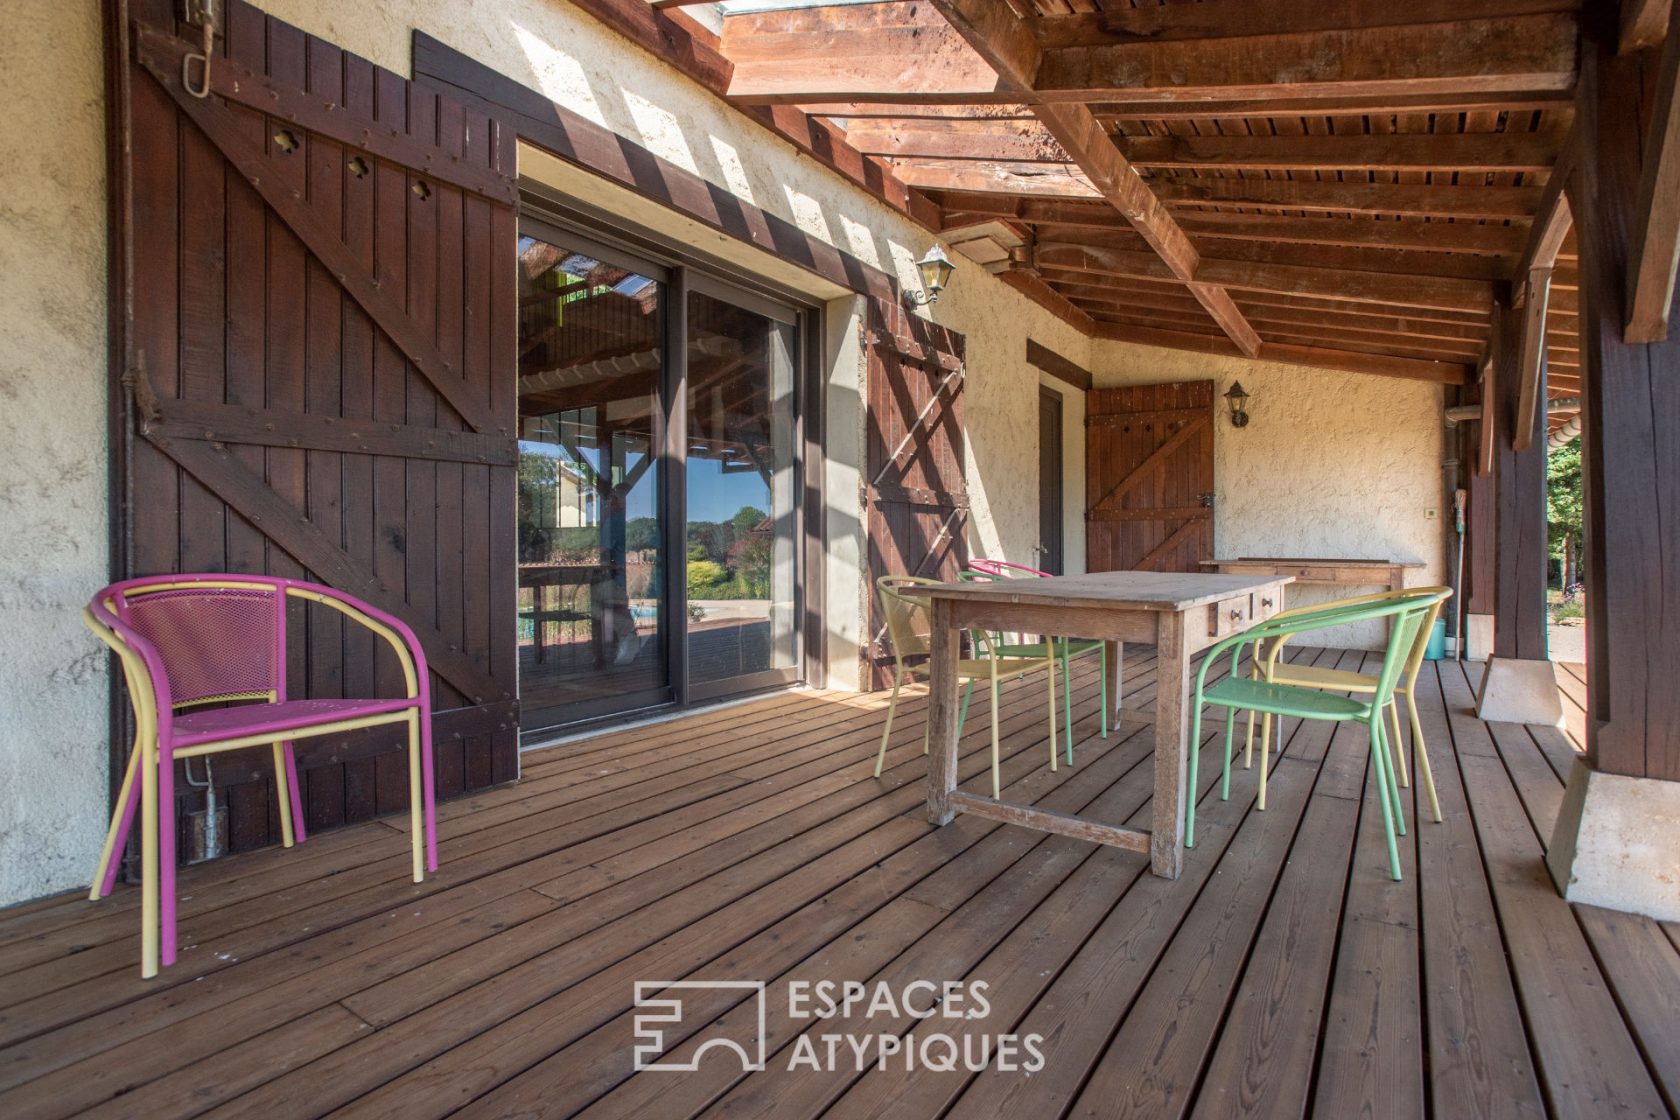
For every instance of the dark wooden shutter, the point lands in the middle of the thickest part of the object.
(1149, 477)
(918, 501)
(320, 356)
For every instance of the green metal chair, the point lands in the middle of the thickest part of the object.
(1236, 692)
(1068, 650)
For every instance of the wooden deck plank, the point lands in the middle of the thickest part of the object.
(1370, 1060)
(256, 1011)
(1284, 975)
(1479, 1058)
(1588, 1062)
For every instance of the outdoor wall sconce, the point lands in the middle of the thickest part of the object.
(936, 269)
(1237, 397)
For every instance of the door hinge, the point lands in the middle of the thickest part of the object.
(1207, 499)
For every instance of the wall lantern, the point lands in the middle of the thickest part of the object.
(1237, 397)
(936, 269)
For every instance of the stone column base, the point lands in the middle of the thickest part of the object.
(1478, 637)
(1517, 690)
(1615, 844)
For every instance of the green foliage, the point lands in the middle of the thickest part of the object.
(746, 519)
(708, 579)
(1563, 496)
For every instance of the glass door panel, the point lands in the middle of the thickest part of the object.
(742, 526)
(593, 622)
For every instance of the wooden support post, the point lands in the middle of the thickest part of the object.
(1518, 685)
(1613, 843)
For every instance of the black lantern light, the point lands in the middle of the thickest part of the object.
(936, 269)
(1237, 397)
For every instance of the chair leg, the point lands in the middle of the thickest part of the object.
(1067, 704)
(1382, 794)
(283, 794)
(1265, 772)
(166, 858)
(1230, 735)
(1423, 757)
(886, 732)
(1399, 745)
(997, 777)
(116, 837)
(1393, 783)
(428, 788)
(1195, 756)
(421, 814)
(1102, 686)
(1050, 672)
(1248, 745)
(298, 829)
(149, 863)
(962, 716)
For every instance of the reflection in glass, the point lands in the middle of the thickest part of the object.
(740, 488)
(591, 629)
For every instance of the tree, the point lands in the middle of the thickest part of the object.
(1563, 507)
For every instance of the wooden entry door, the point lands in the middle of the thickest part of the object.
(1051, 557)
(1149, 475)
(321, 356)
(918, 501)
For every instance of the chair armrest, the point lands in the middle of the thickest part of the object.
(395, 631)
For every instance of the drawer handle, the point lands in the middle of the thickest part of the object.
(1235, 614)
(1265, 602)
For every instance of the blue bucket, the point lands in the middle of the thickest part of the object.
(1437, 647)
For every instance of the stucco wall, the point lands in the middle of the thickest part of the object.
(53, 523)
(1330, 464)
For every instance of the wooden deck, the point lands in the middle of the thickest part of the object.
(1283, 975)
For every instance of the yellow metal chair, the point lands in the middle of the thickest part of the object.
(1268, 665)
(909, 623)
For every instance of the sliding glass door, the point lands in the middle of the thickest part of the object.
(741, 509)
(658, 523)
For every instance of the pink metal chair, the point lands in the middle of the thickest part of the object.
(187, 641)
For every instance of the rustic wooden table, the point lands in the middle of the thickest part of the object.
(1180, 614)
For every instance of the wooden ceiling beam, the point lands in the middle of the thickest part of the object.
(1223, 19)
(1474, 152)
(1026, 141)
(1033, 180)
(1450, 293)
(1645, 23)
(1263, 303)
(994, 32)
(1656, 220)
(1321, 357)
(1380, 104)
(1427, 267)
(1510, 203)
(891, 111)
(1513, 53)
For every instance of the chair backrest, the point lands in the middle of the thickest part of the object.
(1408, 639)
(909, 617)
(1413, 660)
(1003, 569)
(214, 638)
(207, 637)
(1406, 609)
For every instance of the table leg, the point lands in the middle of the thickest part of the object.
(1114, 656)
(1172, 706)
(943, 721)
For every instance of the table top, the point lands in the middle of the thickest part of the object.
(1154, 591)
(1308, 561)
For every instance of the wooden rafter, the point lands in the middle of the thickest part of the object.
(1516, 203)
(1532, 293)
(1225, 19)
(992, 29)
(1656, 230)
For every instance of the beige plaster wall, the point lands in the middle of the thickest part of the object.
(1331, 464)
(53, 522)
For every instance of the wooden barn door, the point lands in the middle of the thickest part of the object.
(918, 502)
(319, 354)
(1149, 477)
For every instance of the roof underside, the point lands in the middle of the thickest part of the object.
(1344, 184)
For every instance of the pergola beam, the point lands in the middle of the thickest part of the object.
(993, 30)
(1030, 141)
(1512, 203)
(1224, 19)
(1323, 357)
(1656, 230)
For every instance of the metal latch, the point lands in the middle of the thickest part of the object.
(202, 13)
